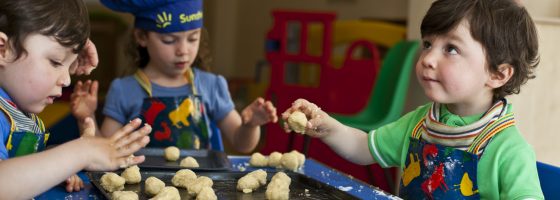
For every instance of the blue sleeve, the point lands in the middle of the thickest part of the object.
(114, 102)
(4, 133)
(220, 100)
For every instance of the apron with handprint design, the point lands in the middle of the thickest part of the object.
(449, 170)
(27, 131)
(176, 121)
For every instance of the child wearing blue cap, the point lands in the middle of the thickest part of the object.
(39, 48)
(171, 89)
(464, 145)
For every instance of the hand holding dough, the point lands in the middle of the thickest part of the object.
(297, 122)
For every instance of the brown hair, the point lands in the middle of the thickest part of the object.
(139, 55)
(503, 27)
(65, 20)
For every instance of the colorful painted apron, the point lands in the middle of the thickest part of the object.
(176, 121)
(434, 171)
(27, 132)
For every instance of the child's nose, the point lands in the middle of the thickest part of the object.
(429, 59)
(182, 49)
(64, 80)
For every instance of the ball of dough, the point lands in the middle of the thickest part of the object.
(290, 161)
(168, 193)
(297, 122)
(124, 195)
(132, 175)
(189, 162)
(199, 183)
(153, 186)
(206, 193)
(171, 153)
(183, 177)
(300, 157)
(252, 181)
(279, 187)
(274, 159)
(112, 182)
(258, 160)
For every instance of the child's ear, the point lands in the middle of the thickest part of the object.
(141, 37)
(501, 77)
(3, 45)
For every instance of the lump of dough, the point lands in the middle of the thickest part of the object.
(124, 195)
(274, 159)
(171, 153)
(132, 175)
(183, 177)
(258, 160)
(168, 193)
(300, 157)
(112, 182)
(198, 184)
(279, 187)
(153, 186)
(252, 181)
(189, 162)
(290, 161)
(206, 193)
(297, 122)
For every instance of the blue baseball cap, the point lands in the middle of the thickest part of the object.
(162, 16)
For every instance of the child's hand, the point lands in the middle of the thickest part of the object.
(317, 125)
(259, 112)
(87, 60)
(84, 99)
(74, 183)
(107, 154)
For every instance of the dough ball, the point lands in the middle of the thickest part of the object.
(171, 153)
(290, 161)
(168, 193)
(153, 186)
(189, 162)
(112, 182)
(274, 159)
(258, 160)
(300, 157)
(297, 122)
(132, 175)
(279, 187)
(206, 193)
(124, 195)
(183, 177)
(252, 181)
(198, 184)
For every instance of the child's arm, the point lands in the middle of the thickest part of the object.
(243, 131)
(84, 102)
(350, 143)
(40, 171)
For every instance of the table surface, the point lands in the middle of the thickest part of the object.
(311, 168)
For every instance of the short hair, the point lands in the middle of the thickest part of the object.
(65, 20)
(503, 27)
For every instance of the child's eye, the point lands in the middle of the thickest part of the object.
(426, 45)
(55, 63)
(193, 39)
(451, 50)
(168, 40)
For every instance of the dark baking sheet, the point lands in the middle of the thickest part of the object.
(225, 185)
(208, 160)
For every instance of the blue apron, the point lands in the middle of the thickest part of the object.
(176, 121)
(27, 132)
(434, 171)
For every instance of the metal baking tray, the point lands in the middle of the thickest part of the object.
(301, 187)
(208, 160)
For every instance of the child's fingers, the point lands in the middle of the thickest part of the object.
(89, 128)
(133, 146)
(94, 88)
(126, 129)
(127, 161)
(132, 137)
